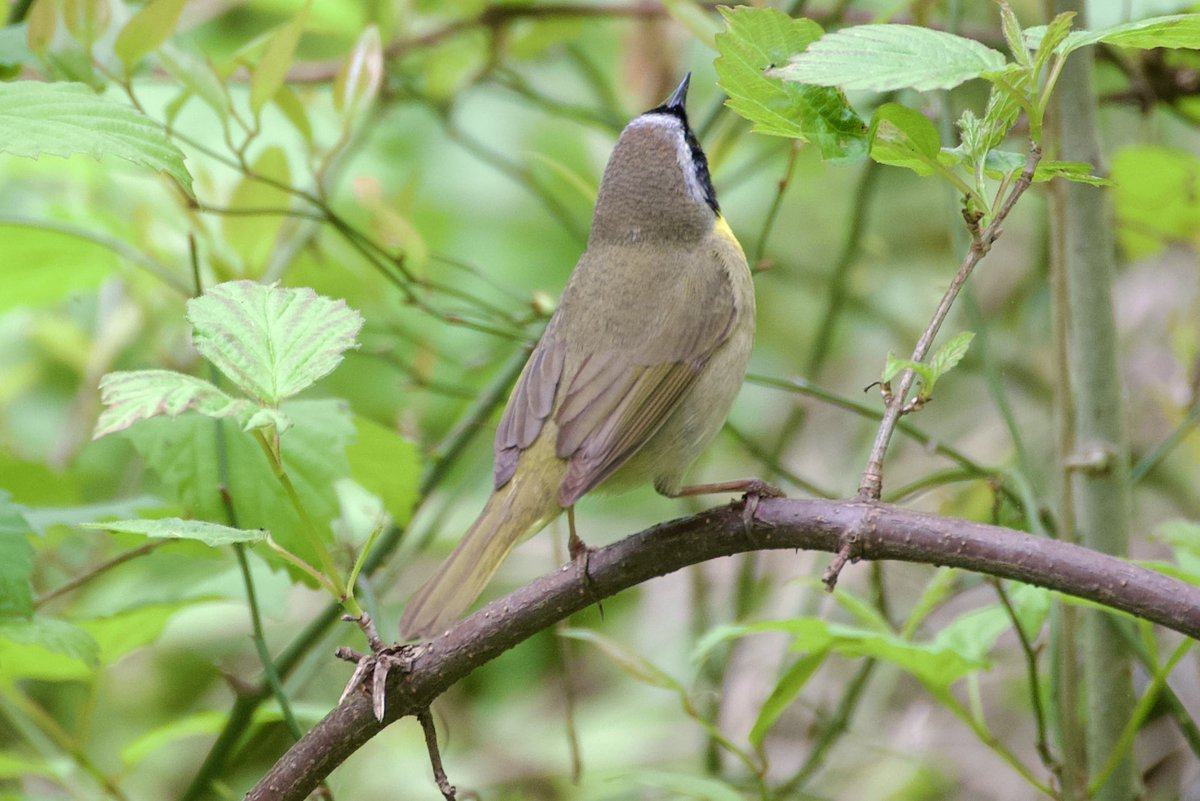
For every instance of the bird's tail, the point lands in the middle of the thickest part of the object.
(519, 509)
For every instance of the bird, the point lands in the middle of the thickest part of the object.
(636, 370)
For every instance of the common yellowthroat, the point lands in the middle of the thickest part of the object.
(637, 368)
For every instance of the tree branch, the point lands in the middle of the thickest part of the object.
(880, 531)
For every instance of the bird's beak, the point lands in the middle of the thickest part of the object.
(679, 97)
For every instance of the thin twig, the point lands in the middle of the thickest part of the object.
(435, 757)
(982, 240)
(1035, 687)
(97, 571)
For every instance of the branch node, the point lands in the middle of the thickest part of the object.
(376, 666)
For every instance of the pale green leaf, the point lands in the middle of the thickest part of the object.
(686, 785)
(196, 74)
(23, 767)
(1005, 163)
(950, 354)
(208, 722)
(786, 689)
(147, 30)
(1049, 37)
(41, 21)
(173, 528)
(696, 19)
(387, 465)
(295, 111)
(272, 342)
(272, 69)
(1157, 198)
(883, 58)
(130, 396)
(1175, 31)
(46, 649)
(627, 660)
(62, 119)
(117, 635)
(254, 237)
(757, 38)
(893, 365)
(16, 560)
(183, 454)
(973, 635)
(1012, 35)
(903, 137)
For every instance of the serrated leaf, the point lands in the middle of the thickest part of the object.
(16, 561)
(147, 30)
(130, 396)
(903, 137)
(272, 342)
(1048, 37)
(1175, 31)
(183, 454)
(1012, 35)
(272, 69)
(757, 38)
(173, 528)
(62, 119)
(951, 353)
(45, 649)
(883, 58)
(894, 365)
(786, 689)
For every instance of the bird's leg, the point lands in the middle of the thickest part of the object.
(755, 489)
(580, 552)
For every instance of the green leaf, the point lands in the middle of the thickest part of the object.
(130, 396)
(893, 366)
(1012, 35)
(23, 767)
(270, 341)
(272, 69)
(629, 662)
(697, 20)
(936, 665)
(254, 237)
(757, 38)
(46, 649)
(973, 634)
(41, 22)
(196, 74)
(883, 58)
(183, 454)
(685, 785)
(126, 631)
(1157, 198)
(1005, 164)
(147, 30)
(173, 528)
(1049, 37)
(16, 561)
(387, 465)
(786, 689)
(62, 119)
(208, 722)
(903, 137)
(950, 354)
(1178, 30)
(1183, 536)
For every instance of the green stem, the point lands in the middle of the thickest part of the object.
(1124, 744)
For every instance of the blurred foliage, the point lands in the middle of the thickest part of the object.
(433, 165)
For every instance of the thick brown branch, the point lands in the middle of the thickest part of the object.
(881, 532)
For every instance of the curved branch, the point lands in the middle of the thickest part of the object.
(869, 530)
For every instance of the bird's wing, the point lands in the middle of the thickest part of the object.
(531, 402)
(633, 373)
(615, 379)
